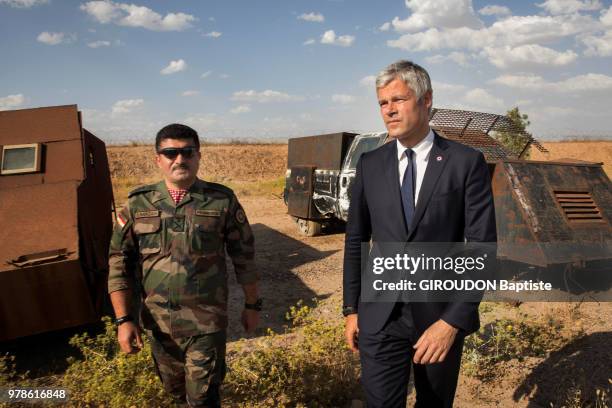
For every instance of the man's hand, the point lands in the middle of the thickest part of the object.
(434, 343)
(351, 332)
(127, 334)
(250, 319)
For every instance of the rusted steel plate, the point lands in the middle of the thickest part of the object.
(322, 151)
(36, 219)
(43, 298)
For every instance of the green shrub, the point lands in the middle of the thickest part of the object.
(506, 339)
(310, 366)
(105, 376)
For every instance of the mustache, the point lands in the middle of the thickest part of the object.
(180, 166)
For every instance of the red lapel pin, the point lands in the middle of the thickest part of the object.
(439, 158)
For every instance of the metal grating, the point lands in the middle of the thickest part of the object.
(578, 206)
(474, 128)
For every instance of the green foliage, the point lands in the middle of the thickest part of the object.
(105, 376)
(516, 138)
(506, 339)
(309, 366)
(8, 374)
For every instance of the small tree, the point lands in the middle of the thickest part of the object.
(515, 137)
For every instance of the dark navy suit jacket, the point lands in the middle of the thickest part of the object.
(455, 203)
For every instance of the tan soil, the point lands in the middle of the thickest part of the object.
(598, 151)
(294, 267)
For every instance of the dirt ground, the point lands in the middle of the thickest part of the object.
(294, 267)
(598, 151)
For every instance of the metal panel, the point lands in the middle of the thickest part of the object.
(36, 219)
(39, 125)
(43, 298)
(299, 202)
(322, 151)
(529, 211)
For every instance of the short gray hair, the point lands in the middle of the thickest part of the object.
(413, 75)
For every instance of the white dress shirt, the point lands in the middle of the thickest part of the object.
(420, 158)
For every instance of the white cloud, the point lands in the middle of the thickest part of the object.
(446, 87)
(459, 58)
(342, 98)
(606, 17)
(569, 6)
(213, 34)
(435, 13)
(126, 106)
(190, 92)
(385, 26)
(309, 41)
(599, 46)
(312, 17)
(131, 15)
(200, 122)
(495, 10)
(224, 76)
(98, 44)
(241, 109)
(480, 99)
(368, 81)
(512, 31)
(527, 56)
(11, 101)
(174, 67)
(264, 96)
(24, 3)
(581, 83)
(329, 37)
(55, 38)
(206, 74)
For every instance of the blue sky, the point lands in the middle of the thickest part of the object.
(284, 68)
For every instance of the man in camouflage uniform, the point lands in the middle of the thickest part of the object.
(171, 238)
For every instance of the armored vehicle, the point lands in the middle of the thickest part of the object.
(546, 212)
(56, 205)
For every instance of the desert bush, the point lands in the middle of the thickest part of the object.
(309, 366)
(507, 339)
(105, 376)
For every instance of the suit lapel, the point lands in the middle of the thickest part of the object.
(391, 166)
(435, 164)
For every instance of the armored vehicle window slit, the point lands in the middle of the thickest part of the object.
(19, 159)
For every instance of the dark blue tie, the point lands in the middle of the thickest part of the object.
(408, 189)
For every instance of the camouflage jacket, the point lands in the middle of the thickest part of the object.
(177, 253)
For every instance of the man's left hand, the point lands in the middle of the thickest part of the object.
(434, 343)
(250, 319)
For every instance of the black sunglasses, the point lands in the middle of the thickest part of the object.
(173, 152)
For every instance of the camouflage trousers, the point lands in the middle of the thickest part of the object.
(191, 368)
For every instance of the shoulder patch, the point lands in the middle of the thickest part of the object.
(240, 216)
(143, 189)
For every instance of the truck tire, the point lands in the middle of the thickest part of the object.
(308, 228)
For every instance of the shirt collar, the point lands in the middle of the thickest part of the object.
(423, 147)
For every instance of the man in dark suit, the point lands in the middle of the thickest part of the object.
(419, 187)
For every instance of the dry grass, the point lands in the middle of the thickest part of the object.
(256, 169)
(596, 151)
(259, 169)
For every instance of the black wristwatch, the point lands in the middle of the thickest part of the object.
(120, 320)
(254, 306)
(348, 310)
